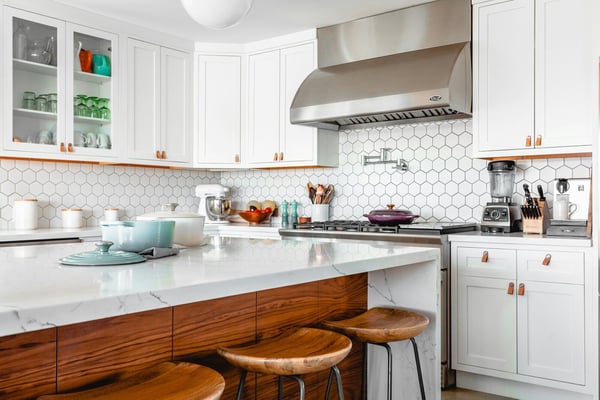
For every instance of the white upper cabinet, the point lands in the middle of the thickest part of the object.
(159, 112)
(53, 109)
(272, 141)
(218, 137)
(532, 73)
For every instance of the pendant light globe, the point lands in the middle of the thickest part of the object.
(217, 14)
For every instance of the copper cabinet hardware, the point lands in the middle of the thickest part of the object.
(236, 158)
(281, 156)
(484, 257)
(62, 147)
(511, 288)
(528, 141)
(538, 140)
(163, 155)
(547, 259)
(158, 154)
(521, 291)
(70, 147)
(275, 156)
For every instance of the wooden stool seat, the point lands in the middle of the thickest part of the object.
(382, 325)
(379, 326)
(165, 381)
(303, 351)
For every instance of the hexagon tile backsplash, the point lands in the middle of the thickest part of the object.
(442, 182)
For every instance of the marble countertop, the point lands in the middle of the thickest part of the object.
(37, 292)
(50, 234)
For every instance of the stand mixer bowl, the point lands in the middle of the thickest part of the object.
(217, 208)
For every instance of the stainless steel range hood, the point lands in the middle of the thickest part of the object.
(405, 66)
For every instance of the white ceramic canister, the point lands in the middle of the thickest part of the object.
(25, 214)
(72, 217)
(111, 214)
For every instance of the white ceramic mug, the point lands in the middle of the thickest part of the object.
(103, 141)
(45, 137)
(91, 139)
(563, 209)
(79, 139)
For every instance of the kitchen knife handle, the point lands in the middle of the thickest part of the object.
(484, 256)
(528, 141)
(521, 291)
(540, 190)
(511, 288)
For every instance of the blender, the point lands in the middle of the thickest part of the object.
(501, 215)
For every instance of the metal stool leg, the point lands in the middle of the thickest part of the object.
(419, 373)
(241, 385)
(389, 356)
(300, 385)
(279, 386)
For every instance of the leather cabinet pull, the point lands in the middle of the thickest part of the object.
(511, 288)
(275, 156)
(163, 155)
(158, 154)
(484, 257)
(546, 261)
(62, 147)
(528, 141)
(281, 156)
(236, 158)
(521, 291)
(538, 140)
(70, 147)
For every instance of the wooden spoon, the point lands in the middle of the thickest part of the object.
(328, 194)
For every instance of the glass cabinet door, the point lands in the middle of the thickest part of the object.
(91, 103)
(34, 61)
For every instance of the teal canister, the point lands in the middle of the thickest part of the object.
(294, 216)
(284, 214)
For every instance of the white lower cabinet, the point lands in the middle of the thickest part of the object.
(159, 107)
(519, 312)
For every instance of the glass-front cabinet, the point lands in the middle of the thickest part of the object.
(60, 77)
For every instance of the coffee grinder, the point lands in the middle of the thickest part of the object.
(501, 215)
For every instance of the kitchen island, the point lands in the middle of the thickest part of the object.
(170, 305)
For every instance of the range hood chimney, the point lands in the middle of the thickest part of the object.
(406, 66)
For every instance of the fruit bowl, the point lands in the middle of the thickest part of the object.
(255, 217)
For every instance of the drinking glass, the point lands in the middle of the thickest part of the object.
(103, 104)
(82, 108)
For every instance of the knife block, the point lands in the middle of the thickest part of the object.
(536, 225)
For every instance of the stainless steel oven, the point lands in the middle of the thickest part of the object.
(416, 234)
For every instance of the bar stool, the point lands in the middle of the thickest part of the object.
(379, 326)
(165, 381)
(303, 351)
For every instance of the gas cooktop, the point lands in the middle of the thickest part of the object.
(365, 227)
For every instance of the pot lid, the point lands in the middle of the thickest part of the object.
(168, 211)
(390, 211)
(102, 256)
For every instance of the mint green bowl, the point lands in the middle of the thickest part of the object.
(136, 236)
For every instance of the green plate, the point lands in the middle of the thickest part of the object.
(102, 257)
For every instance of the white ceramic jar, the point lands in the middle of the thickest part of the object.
(72, 217)
(111, 214)
(25, 214)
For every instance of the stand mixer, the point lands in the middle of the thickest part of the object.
(501, 215)
(214, 203)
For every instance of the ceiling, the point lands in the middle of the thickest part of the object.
(267, 18)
